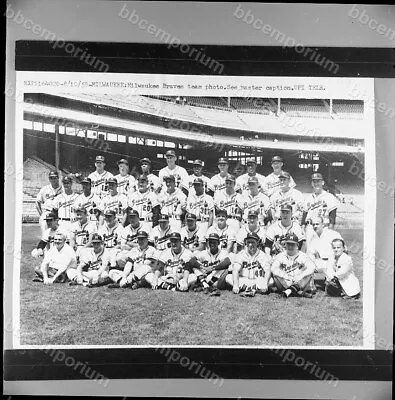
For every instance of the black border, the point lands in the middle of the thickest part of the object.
(360, 365)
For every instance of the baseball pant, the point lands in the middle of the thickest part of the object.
(171, 280)
(306, 284)
(87, 276)
(246, 283)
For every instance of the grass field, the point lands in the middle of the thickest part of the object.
(64, 315)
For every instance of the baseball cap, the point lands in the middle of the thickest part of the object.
(285, 174)
(222, 211)
(171, 153)
(81, 209)
(230, 178)
(286, 207)
(198, 181)
(87, 181)
(169, 178)
(109, 213)
(253, 179)
(145, 160)
(96, 238)
(66, 179)
(112, 180)
(317, 175)
(163, 217)
(250, 161)
(100, 158)
(123, 161)
(223, 160)
(213, 236)
(291, 238)
(53, 174)
(276, 158)
(175, 236)
(142, 234)
(51, 215)
(190, 216)
(253, 235)
(134, 213)
(198, 162)
(253, 213)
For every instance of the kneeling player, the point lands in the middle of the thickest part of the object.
(341, 280)
(210, 266)
(170, 272)
(139, 263)
(293, 270)
(92, 269)
(251, 269)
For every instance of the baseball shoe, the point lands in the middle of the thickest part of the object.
(215, 292)
(114, 286)
(206, 290)
(260, 291)
(248, 293)
(37, 279)
(134, 286)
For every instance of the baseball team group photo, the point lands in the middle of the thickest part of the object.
(180, 220)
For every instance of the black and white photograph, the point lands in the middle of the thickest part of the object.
(161, 210)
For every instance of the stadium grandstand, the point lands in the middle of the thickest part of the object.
(67, 131)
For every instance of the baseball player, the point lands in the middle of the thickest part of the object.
(113, 201)
(253, 199)
(287, 195)
(153, 180)
(46, 197)
(341, 280)
(226, 233)
(126, 182)
(243, 181)
(252, 226)
(92, 268)
(64, 205)
(83, 231)
(172, 202)
(58, 260)
(250, 269)
(201, 204)
(99, 177)
(293, 270)
(273, 180)
(138, 264)
(193, 237)
(172, 168)
(276, 232)
(229, 200)
(171, 271)
(159, 237)
(197, 173)
(88, 200)
(145, 202)
(218, 181)
(209, 266)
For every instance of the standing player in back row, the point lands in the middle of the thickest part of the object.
(242, 182)
(64, 205)
(273, 180)
(197, 173)
(218, 181)
(99, 177)
(153, 180)
(172, 168)
(126, 182)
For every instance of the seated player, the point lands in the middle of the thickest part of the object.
(159, 237)
(210, 266)
(170, 272)
(252, 226)
(341, 280)
(92, 268)
(139, 263)
(226, 234)
(293, 270)
(250, 269)
(82, 231)
(58, 260)
(192, 236)
(276, 232)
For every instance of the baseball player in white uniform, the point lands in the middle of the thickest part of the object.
(88, 200)
(252, 226)
(99, 177)
(287, 195)
(172, 168)
(126, 182)
(46, 197)
(242, 182)
(250, 269)
(92, 268)
(225, 232)
(217, 182)
(273, 180)
(341, 279)
(113, 201)
(159, 237)
(64, 205)
(293, 270)
(172, 202)
(193, 237)
(153, 181)
(197, 173)
(57, 261)
(230, 201)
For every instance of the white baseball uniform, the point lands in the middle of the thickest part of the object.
(207, 259)
(273, 183)
(291, 197)
(244, 231)
(202, 206)
(217, 182)
(231, 203)
(99, 182)
(45, 198)
(226, 235)
(242, 182)
(143, 203)
(192, 239)
(178, 172)
(172, 204)
(160, 238)
(126, 183)
(90, 203)
(64, 204)
(276, 232)
(320, 205)
(117, 203)
(81, 234)
(188, 184)
(260, 203)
